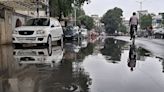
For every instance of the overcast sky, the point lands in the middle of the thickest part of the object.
(128, 6)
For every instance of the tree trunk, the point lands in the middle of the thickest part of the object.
(66, 22)
(60, 16)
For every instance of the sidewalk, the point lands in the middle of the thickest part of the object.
(155, 46)
(155, 41)
(158, 41)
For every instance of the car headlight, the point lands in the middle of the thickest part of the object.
(15, 32)
(40, 32)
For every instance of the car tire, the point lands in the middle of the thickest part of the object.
(49, 50)
(60, 42)
(49, 41)
(17, 45)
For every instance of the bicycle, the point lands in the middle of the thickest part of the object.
(132, 57)
(133, 33)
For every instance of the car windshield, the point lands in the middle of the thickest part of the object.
(69, 28)
(38, 22)
(83, 30)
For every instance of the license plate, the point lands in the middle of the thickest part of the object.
(33, 53)
(29, 39)
(67, 36)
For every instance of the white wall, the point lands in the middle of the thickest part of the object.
(14, 18)
(32, 13)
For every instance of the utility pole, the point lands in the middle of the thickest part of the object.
(37, 7)
(140, 3)
(75, 12)
(47, 8)
(140, 10)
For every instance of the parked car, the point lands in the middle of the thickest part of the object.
(71, 32)
(84, 43)
(72, 46)
(159, 33)
(39, 30)
(39, 56)
(142, 33)
(84, 32)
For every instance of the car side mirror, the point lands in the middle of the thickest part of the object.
(52, 26)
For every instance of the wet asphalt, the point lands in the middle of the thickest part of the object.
(88, 65)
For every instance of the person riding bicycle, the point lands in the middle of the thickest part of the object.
(132, 57)
(133, 22)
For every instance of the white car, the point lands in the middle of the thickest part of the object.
(159, 31)
(84, 43)
(42, 56)
(84, 32)
(38, 30)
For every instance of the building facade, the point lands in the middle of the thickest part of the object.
(29, 7)
(157, 21)
(14, 13)
(5, 24)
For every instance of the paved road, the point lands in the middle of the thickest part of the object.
(98, 65)
(156, 46)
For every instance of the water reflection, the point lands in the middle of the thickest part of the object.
(77, 51)
(163, 65)
(147, 77)
(143, 53)
(36, 69)
(162, 61)
(112, 50)
(137, 54)
(76, 68)
(5, 66)
(64, 79)
(132, 57)
(5, 60)
(47, 56)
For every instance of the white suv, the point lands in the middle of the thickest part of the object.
(39, 30)
(46, 56)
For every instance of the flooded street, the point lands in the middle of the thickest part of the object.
(102, 65)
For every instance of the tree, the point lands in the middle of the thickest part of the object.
(86, 21)
(59, 8)
(162, 18)
(80, 12)
(146, 21)
(113, 48)
(122, 28)
(112, 19)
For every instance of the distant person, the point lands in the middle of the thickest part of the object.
(132, 57)
(133, 23)
(150, 31)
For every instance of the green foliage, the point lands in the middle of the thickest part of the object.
(86, 21)
(80, 12)
(59, 8)
(146, 21)
(162, 15)
(122, 28)
(113, 49)
(163, 19)
(112, 19)
(79, 3)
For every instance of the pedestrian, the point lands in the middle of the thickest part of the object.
(150, 31)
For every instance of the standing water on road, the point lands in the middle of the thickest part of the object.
(95, 66)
